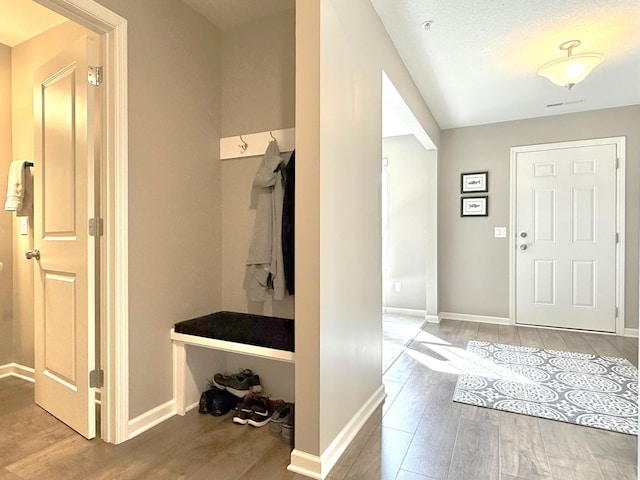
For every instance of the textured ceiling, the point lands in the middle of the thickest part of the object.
(478, 61)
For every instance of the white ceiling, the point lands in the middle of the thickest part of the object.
(22, 19)
(478, 61)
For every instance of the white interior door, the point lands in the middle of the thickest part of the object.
(65, 292)
(566, 237)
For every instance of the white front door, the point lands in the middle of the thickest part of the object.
(565, 259)
(65, 287)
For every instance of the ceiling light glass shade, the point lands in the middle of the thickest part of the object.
(566, 72)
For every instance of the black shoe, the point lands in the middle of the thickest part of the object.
(221, 402)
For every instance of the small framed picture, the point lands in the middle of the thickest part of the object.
(474, 206)
(474, 182)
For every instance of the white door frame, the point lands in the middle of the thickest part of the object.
(114, 302)
(620, 218)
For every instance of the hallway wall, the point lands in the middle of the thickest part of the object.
(174, 184)
(339, 65)
(6, 218)
(474, 265)
(407, 174)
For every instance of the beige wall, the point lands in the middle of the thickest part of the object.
(258, 94)
(258, 75)
(174, 184)
(407, 172)
(26, 58)
(6, 218)
(339, 64)
(474, 266)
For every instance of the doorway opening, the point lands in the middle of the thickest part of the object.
(408, 210)
(113, 242)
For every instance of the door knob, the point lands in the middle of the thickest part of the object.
(32, 254)
(523, 247)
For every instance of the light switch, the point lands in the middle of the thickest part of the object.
(24, 225)
(500, 232)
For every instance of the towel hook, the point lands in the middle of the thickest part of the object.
(274, 138)
(244, 145)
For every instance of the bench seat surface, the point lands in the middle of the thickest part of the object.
(246, 328)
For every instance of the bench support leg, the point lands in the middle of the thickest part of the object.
(179, 376)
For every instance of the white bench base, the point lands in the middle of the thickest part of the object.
(181, 340)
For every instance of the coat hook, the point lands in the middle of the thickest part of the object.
(274, 138)
(243, 146)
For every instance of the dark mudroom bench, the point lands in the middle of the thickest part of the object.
(243, 333)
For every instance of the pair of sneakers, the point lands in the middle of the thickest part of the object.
(256, 410)
(239, 384)
(282, 422)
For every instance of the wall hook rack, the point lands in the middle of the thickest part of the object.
(254, 144)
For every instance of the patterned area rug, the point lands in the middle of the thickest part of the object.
(571, 387)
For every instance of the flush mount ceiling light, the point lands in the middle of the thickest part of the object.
(566, 72)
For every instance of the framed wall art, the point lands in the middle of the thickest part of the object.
(474, 182)
(474, 206)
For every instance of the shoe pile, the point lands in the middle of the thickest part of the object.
(224, 390)
(242, 391)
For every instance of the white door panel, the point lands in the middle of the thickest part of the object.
(566, 231)
(64, 292)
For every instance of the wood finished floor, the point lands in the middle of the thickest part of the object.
(418, 434)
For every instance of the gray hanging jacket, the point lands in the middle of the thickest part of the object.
(264, 262)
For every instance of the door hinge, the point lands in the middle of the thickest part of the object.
(617, 312)
(95, 227)
(95, 75)
(617, 237)
(96, 378)
(617, 163)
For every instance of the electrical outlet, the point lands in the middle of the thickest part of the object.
(397, 287)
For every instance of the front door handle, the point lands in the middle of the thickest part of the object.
(32, 254)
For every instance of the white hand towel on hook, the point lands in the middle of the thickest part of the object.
(15, 186)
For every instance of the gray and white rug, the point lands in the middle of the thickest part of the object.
(571, 387)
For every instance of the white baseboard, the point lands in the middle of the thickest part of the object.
(405, 311)
(432, 318)
(465, 317)
(318, 467)
(17, 370)
(151, 418)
